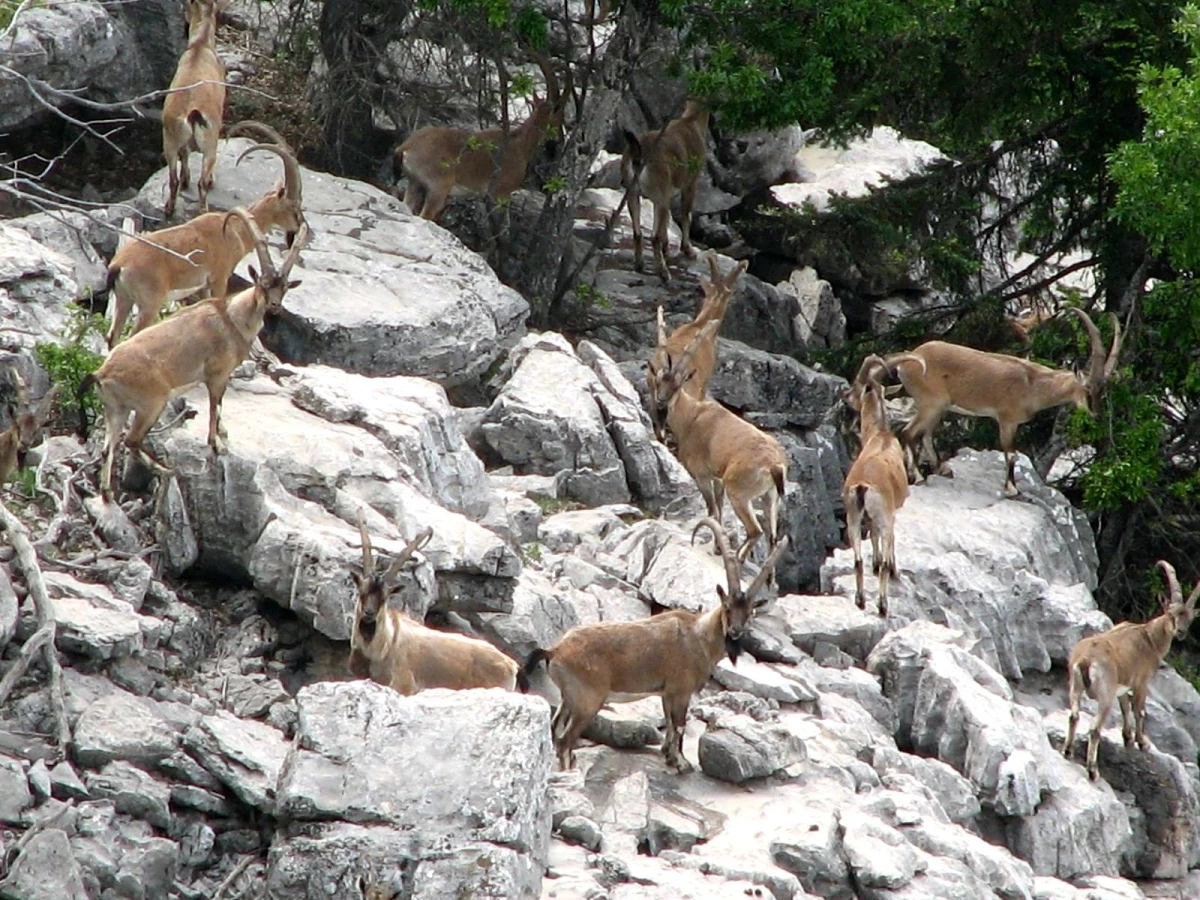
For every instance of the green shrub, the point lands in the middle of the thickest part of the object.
(69, 362)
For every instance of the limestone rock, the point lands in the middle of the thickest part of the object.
(246, 756)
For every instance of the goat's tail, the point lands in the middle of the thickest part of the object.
(88, 380)
(635, 148)
(197, 121)
(534, 659)
(398, 163)
(779, 476)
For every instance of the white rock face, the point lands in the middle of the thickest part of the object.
(384, 292)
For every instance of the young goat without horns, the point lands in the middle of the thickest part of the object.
(1005, 388)
(1118, 665)
(671, 655)
(193, 109)
(722, 452)
(876, 486)
(440, 161)
(201, 343)
(204, 251)
(393, 650)
(660, 164)
(717, 292)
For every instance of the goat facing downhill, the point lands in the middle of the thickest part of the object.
(718, 290)
(1008, 389)
(203, 252)
(441, 161)
(1118, 665)
(25, 425)
(393, 650)
(194, 108)
(660, 164)
(875, 488)
(722, 452)
(201, 343)
(671, 655)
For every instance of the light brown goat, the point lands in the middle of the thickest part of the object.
(722, 452)
(671, 655)
(24, 424)
(718, 289)
(660, 164)
(1005, 388)
(1118, 665)
(195, 106)
(203, 252)
(393, 650)
(875, 487)
(201, 343)
(440, 161)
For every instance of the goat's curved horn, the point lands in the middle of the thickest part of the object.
(260, 129)
(368, 560)
(1172, 582)
(1111, 362)
(732, 568)
(291, 168)
(260, 242)
(713, 269)
(553, 97)
(662, 328)
(410, 548)
(1098, 356)
(1191, 601)
(761, 578)
(294, 251)
(685, 358)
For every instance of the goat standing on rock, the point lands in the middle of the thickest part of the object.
(201, 343)
(876, 485)
(393, 650)
(1005, 388)
(1118, 665)
(671, 655)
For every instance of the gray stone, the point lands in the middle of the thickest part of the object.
(764, 681)
(953, 792)
(773, 386)
(830, 620)
(196, 842)
(581, 830)
(65, 783)
(15, 796)
(122, 726)
(132, 792)
(819, 320)
(546, 420)
(342, 766)
(45, 870)
(628, 725)
(878, 855)
(810, 846)
(147, 868)
(674, 827)
(198, 798)
(246, 756)
(38, 777)
(9, 608)
(626, 815)
(94, 622)
(736, 748)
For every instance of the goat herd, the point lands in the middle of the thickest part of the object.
(671, 654)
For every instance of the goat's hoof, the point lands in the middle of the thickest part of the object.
(219, 447)
(689, 251)
(682, 766)
(1144, 745)
(861, 603)
(883, 611)
(1093, 775)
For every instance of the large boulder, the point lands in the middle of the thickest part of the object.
(469, 801)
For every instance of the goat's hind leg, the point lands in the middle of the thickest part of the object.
(675, 713)
(1075, 694)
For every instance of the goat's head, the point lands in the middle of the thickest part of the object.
(1100, 365)
(668, 379)
(272, 282)
(867, 377)
(549, 112)
(1179, 612)
(373, 588)
(197, 12)
(719, 288)
(285, 201)
(738, 606)
(660, 364)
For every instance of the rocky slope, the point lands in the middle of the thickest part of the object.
(217, 747)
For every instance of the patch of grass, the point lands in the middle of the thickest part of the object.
(532, 552)
(552, 505)
(69, 362)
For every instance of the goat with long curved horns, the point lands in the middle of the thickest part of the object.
(393, 650)
(671, 655)
(1005, 388)
(1118, 665)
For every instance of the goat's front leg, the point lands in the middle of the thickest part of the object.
(1104, 704)
(675, 709)
(216, 430)
(662, 217)
(854, 536)
(1139, 717)
(1008, 442)
(635, 221)
(1127, 718)
(687, 199)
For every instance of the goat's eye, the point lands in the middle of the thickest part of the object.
(761, 602)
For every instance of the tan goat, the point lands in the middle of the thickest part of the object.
(1005, 388)
(875, 487)
(1118, 665)
(201, 343)
(660, 164)
(441, 161)
(717, 292)
(193, 110)
(203, 252)
(393, 650)
(722, 452)
(671, 655)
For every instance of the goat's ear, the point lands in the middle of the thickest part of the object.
(253, 273)
(760, 602)
(294, 284)
(358, 580)
(724, 596)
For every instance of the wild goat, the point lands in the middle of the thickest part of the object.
(440, 160)
(1005, 388)
(723, 453)
(203, 252)
(1118, 665)
(671, 654)
(395, 651)
(717, 292)
(193, 109)
(202, 343)
(875, 487)
(660, 164)
(24, 425)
